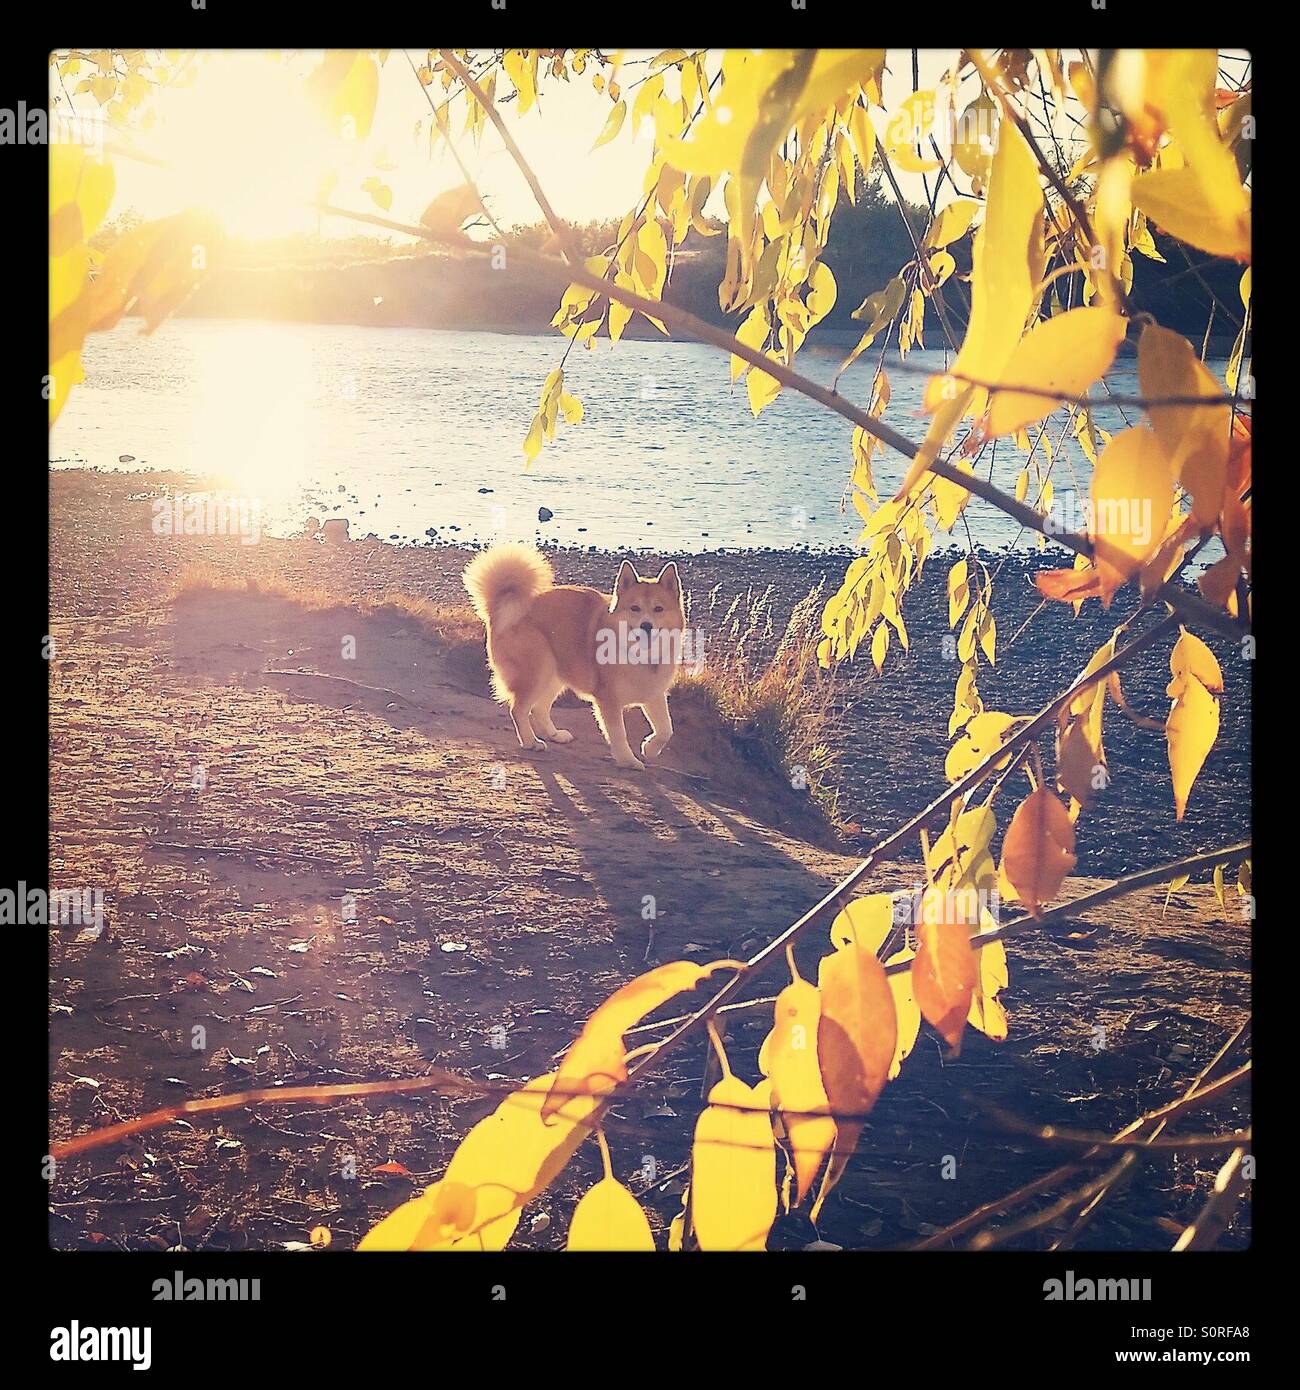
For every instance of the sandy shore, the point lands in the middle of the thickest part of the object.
(339, 868)
(896, 725)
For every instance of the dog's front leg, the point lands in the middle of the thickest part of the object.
(661, 726)
(611, 720)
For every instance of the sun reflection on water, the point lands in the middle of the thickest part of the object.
(251, 419)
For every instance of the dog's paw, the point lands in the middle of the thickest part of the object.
(561, 736)
(653, 746)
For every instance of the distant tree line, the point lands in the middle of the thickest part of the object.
(368, 280)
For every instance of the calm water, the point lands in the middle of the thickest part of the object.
(410, 432)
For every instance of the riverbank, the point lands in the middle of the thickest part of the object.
(895, 725)
(320, 848)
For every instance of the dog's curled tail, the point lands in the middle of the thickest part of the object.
(503, 581)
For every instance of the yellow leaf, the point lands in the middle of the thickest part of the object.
(1191, 729)
(764, 93)
(988, 637)
(866, 923)
(958, 592)
(521, 69)
(908, 127)
(976, 138)
(1177, 202)
(1132, 495)
(753, 333)
(1077, 759)
(790, 1061)
(1183, 85)
(981, 736)
(533, 440)
(613, 124)
(677, 1227)
(69, 302)
(906, 1010)
(1004, 275)
(81, 185)
(949, 411)
(858, 1028)
(942, 266)
(986, 1013)
(595, 1064)
(1038, 850)
(379, 192)
(879, 309)
(504, 1161)
(864, 138)
(733, 1169)
(1196, 439)
(879, 645)
(435, 1219)
(1193, 723)
(953, 222)
(152, 269)
(609, 1217)
(65, 373)
(1063, 355)
(1191, 657)
(821, 291)
(950, 498)
(763, 389)
(959, 857)
(352, 80)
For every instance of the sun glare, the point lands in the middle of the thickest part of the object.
(245, 142)
(250, 424)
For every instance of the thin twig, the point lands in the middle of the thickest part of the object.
(1229, 1187)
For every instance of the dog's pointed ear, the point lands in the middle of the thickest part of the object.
(669, 576)
(626, 576)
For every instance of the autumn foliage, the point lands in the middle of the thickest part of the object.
(777, 139)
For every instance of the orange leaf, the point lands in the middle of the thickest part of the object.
(856, 1041)
(945, 972)
(1038, 850)
(1068, 586)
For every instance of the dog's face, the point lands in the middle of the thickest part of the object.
(648, 604)
(642, 608)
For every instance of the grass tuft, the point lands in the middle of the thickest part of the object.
(780, 706)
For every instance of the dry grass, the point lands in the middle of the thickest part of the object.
(769, 690)
(451, 625)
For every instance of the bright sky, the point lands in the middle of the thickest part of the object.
(244, 140)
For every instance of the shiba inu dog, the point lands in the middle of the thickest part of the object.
(612, 650)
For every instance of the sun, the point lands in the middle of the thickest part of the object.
(245, 142)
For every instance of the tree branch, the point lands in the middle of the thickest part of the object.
(1192, 607)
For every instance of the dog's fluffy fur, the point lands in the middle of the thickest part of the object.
(544, 638)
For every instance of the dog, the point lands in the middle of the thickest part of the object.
(614, 650)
